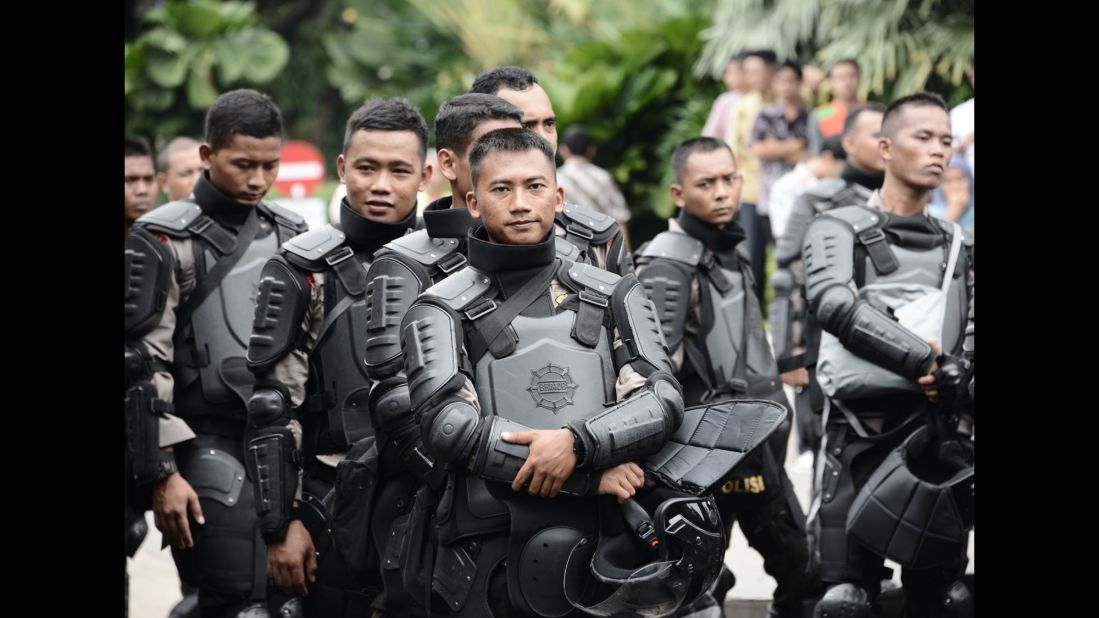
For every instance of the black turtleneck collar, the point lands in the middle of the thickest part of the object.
(366, 236)
(443, 221)
(851, 173)
(217, 205)
(718, 240)
(916, 231)
(490, 257)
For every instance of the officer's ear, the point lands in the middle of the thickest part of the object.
(340, 162)
(448, 164)
(676, 192)
(425, 176)
(204, 152)
(471, 204)
(885, 148)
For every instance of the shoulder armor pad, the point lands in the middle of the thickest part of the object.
(424, 249)
(171, 218)
(825, 188)
(668, 284)
(640, 327)
(459, 290)
(393, 284)
(674, 246)
(281, 303)
(595, 221)
(590, 277)
(309, 249)
(858, 217)
(284, 216)
(566, 249)
(149, 266)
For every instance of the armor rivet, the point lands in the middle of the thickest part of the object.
(837, 451)
(212, 452)
(698, 540)
(835, 473)
(432, 255)
(387, 561)
(468, 578)
(463, 298)
(827, 496)
(455, 604)
(485, 280)
(230, 500)
(240, 478)
(600, 287)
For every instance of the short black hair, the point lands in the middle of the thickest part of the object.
(137, 148)
(850, 61)
(793, 65)
(500, 78)
(177, 144)
(689, 147)
(241, 112)
(507, 140)
(738, 57)
(919, 99)
(388, 115)
(834, 144)
(852, 115)
(577, 139)
(765, 55)
(458, 117)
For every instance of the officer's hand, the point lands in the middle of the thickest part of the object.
(622, 481)
(549, 462)
(171, 499)
(927, 382)
(293, 559)
(796, 377)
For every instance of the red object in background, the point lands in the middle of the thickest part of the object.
(301, 169)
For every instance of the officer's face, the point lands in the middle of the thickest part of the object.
(845, 82)
(516, 197)
(757, 74)
(455, 167)
(537, 111)
(139, 186)
(183, 170)
(861, 144)
(709, 187)
(245, 168)
(383, 173)
(786, 85)
(734, 76)
(920, 146)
